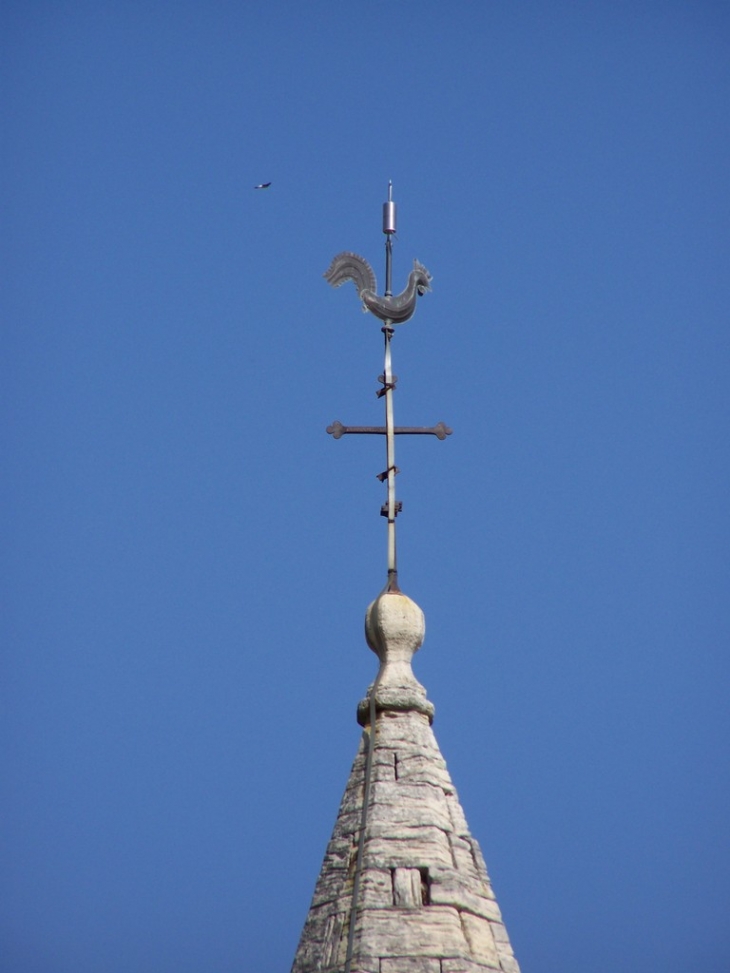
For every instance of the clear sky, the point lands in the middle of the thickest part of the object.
(187, 556)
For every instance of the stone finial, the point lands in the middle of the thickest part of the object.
(395, 628)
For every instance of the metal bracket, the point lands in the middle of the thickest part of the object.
(384, 475)
(387, 386)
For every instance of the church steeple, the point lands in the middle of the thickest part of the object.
(403, 887)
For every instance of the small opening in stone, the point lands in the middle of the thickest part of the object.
(352, 861)
(425, 887)
(395, 765)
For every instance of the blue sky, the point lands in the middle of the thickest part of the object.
(187, 556)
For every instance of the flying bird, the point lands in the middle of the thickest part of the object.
(262, 185)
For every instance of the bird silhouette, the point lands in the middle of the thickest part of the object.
(262, 185)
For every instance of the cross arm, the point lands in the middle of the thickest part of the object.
(440, 430)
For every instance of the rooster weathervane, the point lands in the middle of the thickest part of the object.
(391, 310)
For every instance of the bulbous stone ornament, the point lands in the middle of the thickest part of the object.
(395, 628)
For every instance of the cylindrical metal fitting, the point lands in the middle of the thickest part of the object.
(389, 217)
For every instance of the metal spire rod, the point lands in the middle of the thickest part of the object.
(389, 224)
(389, 231)
(390, 460)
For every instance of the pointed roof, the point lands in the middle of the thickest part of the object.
(403, 887)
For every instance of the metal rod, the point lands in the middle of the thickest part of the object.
(388, 267)
(389, 230)
(392, 584)
(390, 461)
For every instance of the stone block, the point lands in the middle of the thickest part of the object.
(418, 768)
(410, 964)
(338, 852)
(463, 859)
(464, 965)
(376, 888)
(432, 932)
(332, 947)
(415, 792)
(407, 887)
(321, 946)
(347, 824)
(450, 891)
(458, 821)
(482, 947)
(396, 730)
(362, 964)
(351, 801)
(332, 885)
(499, 932)
(383, 764)
(456, 964)
(391, 847)
(478, 857)
(412, 806)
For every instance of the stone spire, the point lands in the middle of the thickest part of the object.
(403, 887)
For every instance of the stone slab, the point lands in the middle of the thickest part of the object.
(433, 932)
(410, 964)
(463, 897)
(482, 947)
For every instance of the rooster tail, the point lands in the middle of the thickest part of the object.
(349, 266)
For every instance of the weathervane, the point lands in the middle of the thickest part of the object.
(391, 311)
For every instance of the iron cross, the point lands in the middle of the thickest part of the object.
(392, 311)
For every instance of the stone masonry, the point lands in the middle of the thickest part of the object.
(425, 902)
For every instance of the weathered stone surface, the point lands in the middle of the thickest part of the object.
(322, 942)
(405, 699)
(408, 888)
(377, 888)
(425, 904)
(384, 764)
(478, 932)
(399, 792)
(405, 847)
(410, 964)
(464, 897)
(458, 820)
(478, 857)
(462, 964)
(408, 932)
(464, 863)
(348, 823)
(331, 886)
(412, 806)
(499, 933)
(506, 957)
(407, 731)
(364, 964)
(333, 939)
(417, 768)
